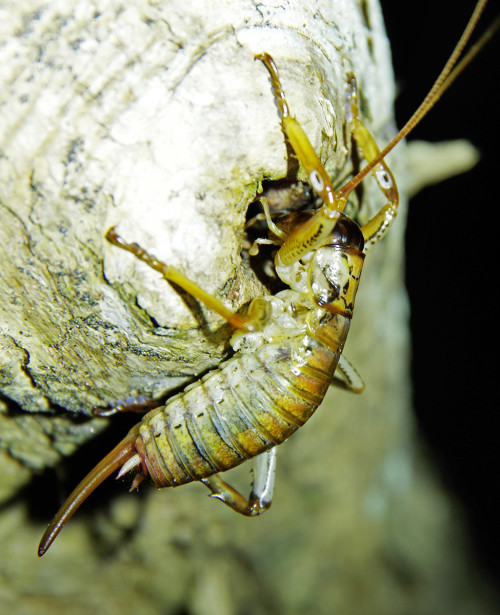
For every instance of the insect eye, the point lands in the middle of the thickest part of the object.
(316, 180)
(384, 179)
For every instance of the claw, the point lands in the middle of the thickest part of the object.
(119, 456)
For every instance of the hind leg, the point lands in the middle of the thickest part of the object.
(262, 487)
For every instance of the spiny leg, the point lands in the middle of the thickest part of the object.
(317, 175)
(262, 487)
(252, 321)
(375, 228)
(140, 405)
(350, 380)
(316, 230)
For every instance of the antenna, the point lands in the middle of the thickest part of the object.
(446, 77)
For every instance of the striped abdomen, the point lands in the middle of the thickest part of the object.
(247, 405)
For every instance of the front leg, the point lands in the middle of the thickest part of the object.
(262, 487)
(375, 228)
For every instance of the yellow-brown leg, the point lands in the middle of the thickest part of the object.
(375, 228)
(316, 230)
(262, 488)
(249, 322)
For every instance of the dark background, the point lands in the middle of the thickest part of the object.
(452, 263)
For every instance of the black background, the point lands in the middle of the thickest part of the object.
(452, 271)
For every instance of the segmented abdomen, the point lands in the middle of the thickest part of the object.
(250, 403)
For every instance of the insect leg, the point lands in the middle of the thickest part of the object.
(250, 322)
(312, 233)
(130, 404)
(270, 224)
(351, 380)
(280, 235)
(262, 487)
(375, 228)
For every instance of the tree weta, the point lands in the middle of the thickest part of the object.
(287, 347)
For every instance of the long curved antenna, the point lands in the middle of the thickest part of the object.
(124, 451)
(444, 80)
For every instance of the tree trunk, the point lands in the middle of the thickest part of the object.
(155, 118)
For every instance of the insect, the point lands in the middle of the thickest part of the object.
(287, 347)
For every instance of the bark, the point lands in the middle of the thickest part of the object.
(155, 117)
